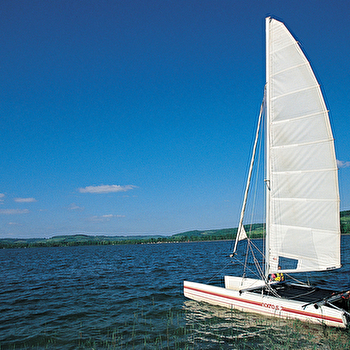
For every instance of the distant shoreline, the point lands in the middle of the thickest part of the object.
(255, 231)
(77, 240)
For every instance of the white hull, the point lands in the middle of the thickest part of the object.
(302, 196)
(234, 297)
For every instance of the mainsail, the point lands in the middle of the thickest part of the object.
(302, 199)
(302, 223)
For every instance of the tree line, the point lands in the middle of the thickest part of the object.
(255, 231)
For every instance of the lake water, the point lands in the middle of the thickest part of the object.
(130, 297)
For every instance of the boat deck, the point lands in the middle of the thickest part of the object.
(302, 293)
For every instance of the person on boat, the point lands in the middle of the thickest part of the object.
(278, 277)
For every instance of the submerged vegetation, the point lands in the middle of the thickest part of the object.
(255, 231)
(195, 326)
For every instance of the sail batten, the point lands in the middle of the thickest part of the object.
(304, 172)
(290, 68)
(303, 197)
(295, 43)
(305, 143)
(305, 228)
(300, 117)
(295, 92)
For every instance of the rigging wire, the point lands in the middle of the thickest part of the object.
(255, 191)
(257, 248)
(296, 280)
(241, 263)
(250, 244)
(219, 272)
(258, 143)
(265, 171)
(246, 256)
(240, 226)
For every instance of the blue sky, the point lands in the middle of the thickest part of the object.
(137, 117)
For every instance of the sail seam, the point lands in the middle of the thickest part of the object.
(300, 117)
(303, 171)
(305, 228)
(295, 91)
(290, 199)
(295, 43)
(304, 144)
(290, 68)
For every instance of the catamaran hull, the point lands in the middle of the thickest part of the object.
(265, 305)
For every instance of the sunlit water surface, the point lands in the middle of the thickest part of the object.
(130, 297)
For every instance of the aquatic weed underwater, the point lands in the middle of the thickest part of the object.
(196, 326)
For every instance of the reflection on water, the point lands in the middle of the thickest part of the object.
(215, 327)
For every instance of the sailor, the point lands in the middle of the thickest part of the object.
(278, 277)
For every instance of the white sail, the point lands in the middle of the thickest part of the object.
(241, 233)
(302, 198)
(303, 228)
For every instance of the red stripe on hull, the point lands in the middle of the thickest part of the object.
(285, 309)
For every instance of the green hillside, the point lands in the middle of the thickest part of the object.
(255, 231)
(75, 240)
(345, 222)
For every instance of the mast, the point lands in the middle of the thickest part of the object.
(241, 234)
(267, 140)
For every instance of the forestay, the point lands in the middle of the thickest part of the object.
(303, 228)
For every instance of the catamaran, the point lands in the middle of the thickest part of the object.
(302, 198)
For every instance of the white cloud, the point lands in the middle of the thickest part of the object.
(342, 164)
(73, 206)
(106, 189)
(1, 197)
(25, 200)
(13, 211)
(104, 218)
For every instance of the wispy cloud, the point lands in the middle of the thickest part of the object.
(14, 223)
(1, 197)
(73, 206)
(106, 189)
(13, 211)
(342, 164)
(25, 200)
(104, 218)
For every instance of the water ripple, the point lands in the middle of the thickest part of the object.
(127, 296)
